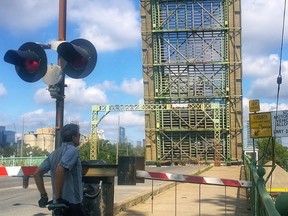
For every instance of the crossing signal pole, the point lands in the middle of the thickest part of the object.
(61, 85)
(76, 59)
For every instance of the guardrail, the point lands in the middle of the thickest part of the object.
(261, 202)
(21, 161)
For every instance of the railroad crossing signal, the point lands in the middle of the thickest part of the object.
(78, 59)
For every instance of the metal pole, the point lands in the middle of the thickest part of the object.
(199, 190)
(22, 140)
(152, 198)
(118, 141)
(175, 198)
(61, 85)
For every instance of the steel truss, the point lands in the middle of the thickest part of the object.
(192, 55)
(192, 75)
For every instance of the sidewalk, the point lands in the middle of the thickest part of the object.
(192, 199)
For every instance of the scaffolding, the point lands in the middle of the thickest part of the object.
(191, 51)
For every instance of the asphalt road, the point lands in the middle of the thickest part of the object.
(16, 201)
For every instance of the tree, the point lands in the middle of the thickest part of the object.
(85, 151)
(107, 151)
(7, 151)
(34, 151)
(266, 153)
(27, 150)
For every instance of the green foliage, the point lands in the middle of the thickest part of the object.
(108, 151)
(34, 151)
(27, 150)
(265, 153)
(84, 151)
(7, 151)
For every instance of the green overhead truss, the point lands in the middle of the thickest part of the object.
(191, 51)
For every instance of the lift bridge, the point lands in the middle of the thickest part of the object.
(192, 75)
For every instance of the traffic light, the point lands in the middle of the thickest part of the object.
(78, 58)
(30, 61)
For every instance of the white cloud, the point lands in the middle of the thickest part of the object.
(42, 96)
(110, 24)
(79, 94)
(27, 15)
(38, 118)
(2, 90)
(127, 119)
(262, 25)
(264, 88)
(108, 85)
(262, 73)
(261, 66)
(133, 87)
(261, 39)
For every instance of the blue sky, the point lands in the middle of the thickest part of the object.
(114, 28)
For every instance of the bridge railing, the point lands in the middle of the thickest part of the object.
(21, 161)
(261, 202)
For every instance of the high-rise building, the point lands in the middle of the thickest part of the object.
(121, 135)
(6, 137)
(139, 144)
(2, 129)
(10, 137)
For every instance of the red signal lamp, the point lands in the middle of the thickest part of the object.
(30, 61)
(78, 58)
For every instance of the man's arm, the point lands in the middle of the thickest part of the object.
(38, 177)
(59, 181)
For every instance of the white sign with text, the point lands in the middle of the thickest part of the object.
(280, 126)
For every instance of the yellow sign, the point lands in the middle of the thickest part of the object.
(254, 106)
(260, 125)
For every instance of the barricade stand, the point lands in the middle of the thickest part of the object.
(98, 179)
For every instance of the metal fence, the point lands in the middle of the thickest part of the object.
(261, 202)
(21, 161)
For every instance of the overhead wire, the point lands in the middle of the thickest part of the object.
(279, 78)
(279, 82)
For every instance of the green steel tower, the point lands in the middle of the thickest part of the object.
(192, 66)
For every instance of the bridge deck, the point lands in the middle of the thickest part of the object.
(192, 199)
